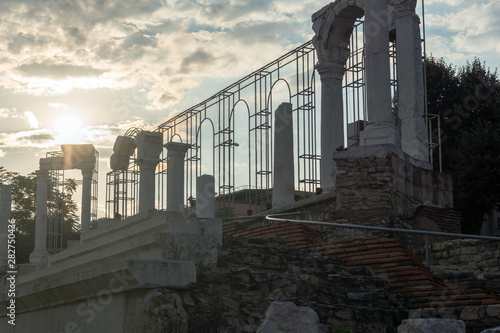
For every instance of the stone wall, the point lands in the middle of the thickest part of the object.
(381, 187)
(482, 258)
(253, 273)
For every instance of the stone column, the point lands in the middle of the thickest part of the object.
(86, 199)
(5, 215)
(283, 173)
(410, 81)
(332, 118)
(175, 175)
(205, 197)
(149, 147)
(40, 253)
(381, 128)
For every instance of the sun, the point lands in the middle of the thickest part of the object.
(69, 130)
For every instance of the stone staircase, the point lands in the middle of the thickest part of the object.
(295, 235)
(405, 272)
(429, 295)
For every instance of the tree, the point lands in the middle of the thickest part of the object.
(24, 210)
(468, 101)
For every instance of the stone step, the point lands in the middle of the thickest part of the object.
(377, 262)
(387, 258)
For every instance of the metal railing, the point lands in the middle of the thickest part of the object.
(391, 230)
(256, 217)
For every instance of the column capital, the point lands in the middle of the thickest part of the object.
(144, 162)
(405, 13)
(331, 70)
(403, 7)
(87, 171)
(177, 147)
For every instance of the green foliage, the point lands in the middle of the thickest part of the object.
(24, 210)
(468, 101)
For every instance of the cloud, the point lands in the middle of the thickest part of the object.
(39, 138)
(197, 58)
(453, 3)
(75, 35)
(31, 119)
(469, 30)
(53, 70)
(5, 113)
(60, 106)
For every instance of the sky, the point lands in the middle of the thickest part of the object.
(74, 71)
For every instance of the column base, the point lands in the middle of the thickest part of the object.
(39, 256)
(379, 134)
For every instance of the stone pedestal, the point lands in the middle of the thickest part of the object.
(149, 147)
(5, 215)
(40, 253)
(205, 197)
(410, 83)
(377, 182)
(175, 175)
(283, 172)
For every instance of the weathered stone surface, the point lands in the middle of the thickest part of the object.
(157, 312)
(492, 330)
(432, 326)
(286, 317)
(201, 248)
(472, 313)
(472, 257)
(252, 273)
(493, 310)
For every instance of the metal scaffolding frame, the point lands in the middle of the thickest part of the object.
(240, 119)
(353, 86)
(55, 203)
(231, 133)
(55, 207)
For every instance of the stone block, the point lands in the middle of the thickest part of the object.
(472, 313)
(287, 317)
(432, 326)
(469, 250)
(492, 262)
(493, 310)
(492, 330)
(171, 273)
(448, 313)
(415, 313)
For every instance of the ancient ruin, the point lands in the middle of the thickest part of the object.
(182, 247)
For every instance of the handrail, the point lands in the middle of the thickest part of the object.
(257, 216)
(417, 232)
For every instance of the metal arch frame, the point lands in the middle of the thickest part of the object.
(220, 110)
(55, 221)
(233, 143)
(198, 145)
(256, 92)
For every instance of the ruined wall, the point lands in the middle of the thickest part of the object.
(252, 273)
(477, 256)
(382, 187)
